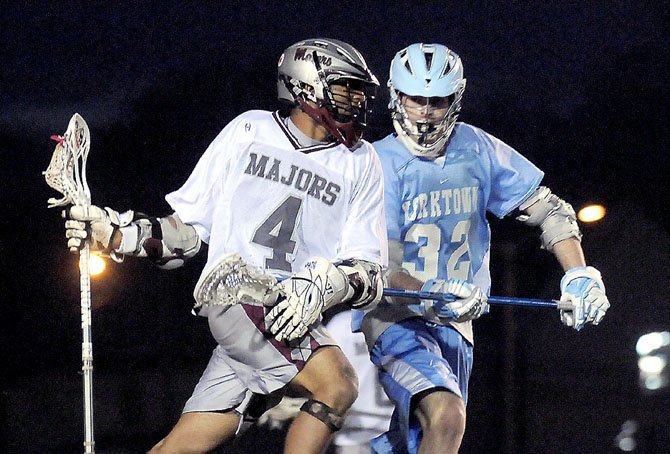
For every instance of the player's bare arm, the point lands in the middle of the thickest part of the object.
(581, 285)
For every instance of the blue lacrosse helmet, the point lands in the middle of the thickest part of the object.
(432, 74)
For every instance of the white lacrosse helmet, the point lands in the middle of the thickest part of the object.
(427, 71)
(307, 70)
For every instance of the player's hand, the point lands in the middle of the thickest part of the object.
(90, 223)
(93, 224)
(471, 302)
(584, 289)
(301, 301)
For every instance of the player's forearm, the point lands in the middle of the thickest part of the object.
(115, 242)
(569, 253)
(397, 277)
(402, 279)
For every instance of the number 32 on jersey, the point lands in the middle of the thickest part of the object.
(431, 236)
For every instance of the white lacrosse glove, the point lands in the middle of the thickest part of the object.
(471, 302)
(305, 295)
(94, 224)
(583, 287)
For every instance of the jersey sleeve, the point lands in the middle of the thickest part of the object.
(364, 236)
(195, 201)
(513, 176)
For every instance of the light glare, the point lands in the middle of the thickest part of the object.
(649, 342)
(592, 213)
(654, 382)
(96, 265)
(652, 364)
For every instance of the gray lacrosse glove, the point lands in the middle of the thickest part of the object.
(583, 287)
(471, 302)
(303, 297)
(94, 224)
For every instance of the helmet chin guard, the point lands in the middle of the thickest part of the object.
(424, 138)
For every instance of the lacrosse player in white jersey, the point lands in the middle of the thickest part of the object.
(441, 178)
(297, 193)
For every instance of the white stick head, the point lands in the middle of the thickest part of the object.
(67, 170)
(232, 281)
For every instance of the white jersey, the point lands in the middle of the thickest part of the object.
(256, 192)
(370, 414)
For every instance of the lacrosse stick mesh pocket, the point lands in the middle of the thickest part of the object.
(232, 281)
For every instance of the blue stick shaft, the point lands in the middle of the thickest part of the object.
(448, 297)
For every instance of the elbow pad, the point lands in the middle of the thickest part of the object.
(555, 217)
(167, 242)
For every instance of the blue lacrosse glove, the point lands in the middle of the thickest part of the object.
(471, 302)
(583, 287)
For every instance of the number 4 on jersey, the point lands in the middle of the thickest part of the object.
(276, 233)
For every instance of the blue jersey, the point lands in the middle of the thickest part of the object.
(437, 209)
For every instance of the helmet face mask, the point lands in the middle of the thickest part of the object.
(426, 85)
(330, 82)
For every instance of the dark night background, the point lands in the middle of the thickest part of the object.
(580, 88)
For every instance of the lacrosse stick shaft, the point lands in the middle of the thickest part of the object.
(448, 298)
(86, 347)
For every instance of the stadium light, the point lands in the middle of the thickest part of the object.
(591, 213)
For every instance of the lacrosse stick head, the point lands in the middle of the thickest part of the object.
(232, 281)
(67, 170)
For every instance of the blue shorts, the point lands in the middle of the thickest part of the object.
(413, 356)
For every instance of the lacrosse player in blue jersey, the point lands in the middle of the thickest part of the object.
(441, 178)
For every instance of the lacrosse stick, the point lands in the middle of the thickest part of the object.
(67, 174)
(502, 300)
(231, 281)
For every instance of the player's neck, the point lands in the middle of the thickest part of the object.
(308, 126)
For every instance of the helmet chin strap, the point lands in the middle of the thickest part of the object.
(347, 134)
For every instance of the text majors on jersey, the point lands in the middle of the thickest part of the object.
(302, 179)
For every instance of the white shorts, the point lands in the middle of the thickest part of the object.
(248, 358)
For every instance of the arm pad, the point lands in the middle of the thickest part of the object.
(365, 283)
(555, 217)
(167, 242)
